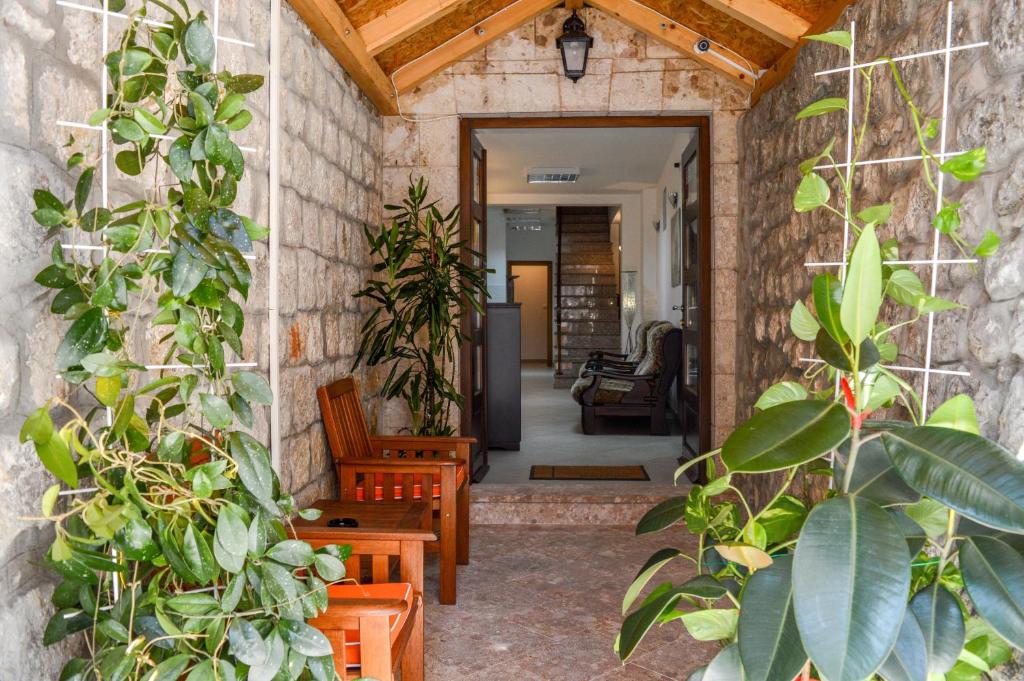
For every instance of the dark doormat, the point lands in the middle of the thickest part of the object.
(628, 473)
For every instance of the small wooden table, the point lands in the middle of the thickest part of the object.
(385, 529)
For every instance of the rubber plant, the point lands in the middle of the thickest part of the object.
(912, 566)
(170, 524)
(421, 289)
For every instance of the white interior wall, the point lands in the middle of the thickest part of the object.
(496, 256)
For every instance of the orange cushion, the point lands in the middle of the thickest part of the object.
(417, 486)
(386, 590)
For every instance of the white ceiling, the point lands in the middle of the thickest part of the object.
(610, 159)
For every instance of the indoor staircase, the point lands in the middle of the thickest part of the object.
(587, 310)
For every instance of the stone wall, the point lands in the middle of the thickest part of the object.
(627, 73)
(988, 86)
(330, 185)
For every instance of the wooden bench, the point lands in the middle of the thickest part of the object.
(401, 468)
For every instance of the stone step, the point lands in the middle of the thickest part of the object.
(591, 341)
(589, 290)
(608, 269)
(587, 247)
(569, 279)
(588, 327)
(566, 230)
(604, 258)
(584, 238)
(589, 315)
(589, 302)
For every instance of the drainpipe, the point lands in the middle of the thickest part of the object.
(275, 230)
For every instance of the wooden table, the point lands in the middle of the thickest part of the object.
(385, 529)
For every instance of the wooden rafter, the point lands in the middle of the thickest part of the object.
(340, 37)
(399, 22)
(781, 68)
(472, 39)
(764, 15)
(675, 35)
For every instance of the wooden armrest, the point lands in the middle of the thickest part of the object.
(418, 442)
(622, 377)
(363, 464)
(344, 609)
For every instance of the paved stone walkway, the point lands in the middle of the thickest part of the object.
(542, 603)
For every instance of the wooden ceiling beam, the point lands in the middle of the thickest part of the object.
(401, 21)
(675, 35)
(778, 71)
(776, 22)
(472, 39)
(339, 36)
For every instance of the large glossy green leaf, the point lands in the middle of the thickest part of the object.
(653, 564)
(665, 514)
(862, 293)
(827, 292)
(253, 387)
(786, 435)
(253, 465)
(851, 577)
(87, 335)
(712, 624)
(304, 638)
(957, 413)
(802, 322)
(832, 352)
(907, 661)
(726, 666)
(769, 641)
(639, 622)
(994, 576)
(875, 478)
(780, 393)
(942, 626)
(970, 474)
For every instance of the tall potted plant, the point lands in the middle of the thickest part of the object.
(421, 288)
(170, 524)
(911, 568)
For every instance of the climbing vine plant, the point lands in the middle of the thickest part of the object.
(171, 541)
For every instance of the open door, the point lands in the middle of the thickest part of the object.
(473, 359)
(694, 382)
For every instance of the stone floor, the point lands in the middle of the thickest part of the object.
(542, 603)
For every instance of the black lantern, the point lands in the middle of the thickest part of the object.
(574, 44)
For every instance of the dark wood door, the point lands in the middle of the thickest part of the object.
(695, 377)
(474, 351)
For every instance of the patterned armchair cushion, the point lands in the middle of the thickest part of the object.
(651, 363)
(611, 391)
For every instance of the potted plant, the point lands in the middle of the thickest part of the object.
(911, 567)
(170, 524)
(422, 289)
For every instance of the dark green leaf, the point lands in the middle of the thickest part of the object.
(87, 335)
(291, 552)
(304, 638)
(830, 351)
(638, 623)
(650, 568)
(875, 478)
(726, 666)
(942, 626)
(198, 44)
(786, 435)
(907, 661)
(851, 577)
(180, 159)
(253, 465)
(828, 295)
(253, 387)
(994, 577)
(665, 514)
(769, 642)
(128, 129)
(216, 410)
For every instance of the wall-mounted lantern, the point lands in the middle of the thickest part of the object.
(574, 45)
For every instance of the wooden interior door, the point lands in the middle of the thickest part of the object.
(694, 382)
(473, 356)
(533, 289)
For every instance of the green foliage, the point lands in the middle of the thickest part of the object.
(873, 580)
(422, 287)
(172, 548)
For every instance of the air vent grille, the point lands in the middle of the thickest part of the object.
(552, 175)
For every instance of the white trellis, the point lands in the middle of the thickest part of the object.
(934, 262)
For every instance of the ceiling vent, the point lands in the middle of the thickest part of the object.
(552, 175)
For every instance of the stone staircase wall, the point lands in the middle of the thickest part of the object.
(587, 301)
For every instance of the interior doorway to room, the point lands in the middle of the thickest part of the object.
(530, 285)
(597, 237)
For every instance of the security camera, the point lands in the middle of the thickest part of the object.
(703, 45)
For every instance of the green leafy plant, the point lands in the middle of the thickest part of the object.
(912, 567)
(170, 529)
(422, 288)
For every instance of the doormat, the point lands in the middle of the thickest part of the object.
(629, 473)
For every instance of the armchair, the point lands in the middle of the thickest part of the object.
(622, 362)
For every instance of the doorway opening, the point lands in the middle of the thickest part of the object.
(596, 235)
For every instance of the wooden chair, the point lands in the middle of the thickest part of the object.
(376, 629)
(397, 467)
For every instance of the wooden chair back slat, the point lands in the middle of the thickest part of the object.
(344, 419)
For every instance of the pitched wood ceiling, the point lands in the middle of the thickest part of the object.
(397, 44)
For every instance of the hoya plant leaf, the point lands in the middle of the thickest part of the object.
(908, 659)
(87, 335)
(967, 166)
(304, 638)
(253, 465)
(55, 456)
(216, 410)
(994, 576)
(786, 435)
(840, 38)
(812, 193)
(851, 578)
(942, 626)
(822, 106)
(971, 474)
(650, 568)
(802, 322)
(245, 642)
(768, 639)
(252, 387)
(726, 666)
(957, 413)
(780, 393)
(665, 514)
(875, 478)
(292, 552)
(862, 292)
(199, 44)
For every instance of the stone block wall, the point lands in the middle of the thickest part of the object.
(987, 87)
(627, 73)
(331, 138)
